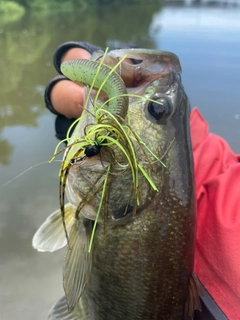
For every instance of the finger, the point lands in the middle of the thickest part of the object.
(76, 53)
(67, 98)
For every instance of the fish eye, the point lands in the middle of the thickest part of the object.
(92, 150)
(160, 108)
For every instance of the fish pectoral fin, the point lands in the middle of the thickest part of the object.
(59, 311)
(78, 262)
(51, 236)
(194, 293)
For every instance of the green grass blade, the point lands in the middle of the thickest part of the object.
(99, 209)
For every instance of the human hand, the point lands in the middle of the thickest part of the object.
(66, 96)
(63, 96)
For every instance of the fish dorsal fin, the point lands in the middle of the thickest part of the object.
(51, 236)
(194, 293)
(78, 262)
(60, 311)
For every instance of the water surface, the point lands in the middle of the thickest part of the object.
(207, 41)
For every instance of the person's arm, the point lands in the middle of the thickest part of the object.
(217, 253)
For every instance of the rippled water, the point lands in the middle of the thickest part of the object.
(207, 41)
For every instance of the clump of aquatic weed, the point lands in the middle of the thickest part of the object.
(108, 131)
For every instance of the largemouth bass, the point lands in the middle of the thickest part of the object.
(140, 265)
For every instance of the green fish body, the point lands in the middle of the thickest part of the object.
(141, 263)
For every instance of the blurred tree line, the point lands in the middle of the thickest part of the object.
(63, 5)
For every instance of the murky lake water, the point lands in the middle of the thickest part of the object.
(207, 41)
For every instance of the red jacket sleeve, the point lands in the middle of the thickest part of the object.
(217, 179)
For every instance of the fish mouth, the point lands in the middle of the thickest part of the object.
(145, 65)
(146, 58)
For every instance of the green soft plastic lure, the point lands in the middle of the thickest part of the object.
(89, 72)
